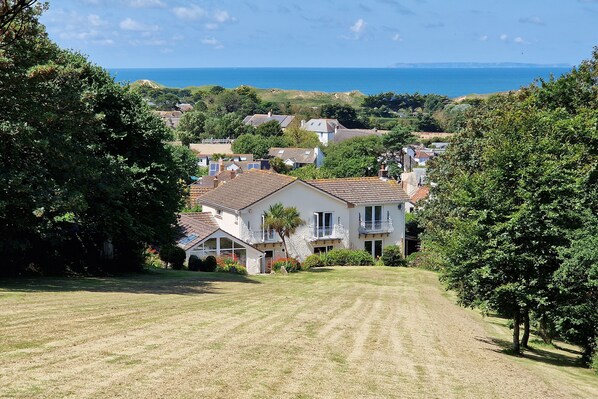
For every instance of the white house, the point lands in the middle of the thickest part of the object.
(259, 119)
(355, 213)
(324, 128)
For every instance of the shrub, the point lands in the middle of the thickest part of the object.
(178, 257)
(393, 256)
(194, 263)
(347, 257)
(208, 265)
(166, 253)
(336, 257)
(290, 264)
(314, 260)
(225, 264)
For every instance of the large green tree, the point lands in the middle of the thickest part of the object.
(356, 157)
(497, 218)
(84, 163)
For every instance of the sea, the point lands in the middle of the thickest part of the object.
(451, 82)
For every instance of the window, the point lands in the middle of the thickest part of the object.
(323, 250)
(322, 224)
(373, 217)
(214, 168)
(374, 247)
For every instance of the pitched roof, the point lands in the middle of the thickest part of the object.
(297, 155)
(362, 190)
(246, 189)
(258, 119)
(346, 134)
(195, 227)
(322, 125)
(420, 194)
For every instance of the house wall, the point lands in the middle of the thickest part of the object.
(307, 200)
(226, 220)
(396, 211)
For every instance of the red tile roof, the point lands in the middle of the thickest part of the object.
(362, 190)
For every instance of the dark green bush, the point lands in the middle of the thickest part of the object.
(165, 253)
(314, 260)
(194, 263)
(393, 256)
(347, 257)
(360, 258)
(209, 264)
(178, 257)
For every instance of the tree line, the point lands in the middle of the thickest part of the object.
(512, 221)
(88, 179)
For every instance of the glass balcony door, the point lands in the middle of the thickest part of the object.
(322, 224)
(373, 217)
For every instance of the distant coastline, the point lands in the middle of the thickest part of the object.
(448, 81)
(476, 65)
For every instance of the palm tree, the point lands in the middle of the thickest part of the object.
(284, 221)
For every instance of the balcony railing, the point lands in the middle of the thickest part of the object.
(326, 232)
(375, 226)
(262, 236)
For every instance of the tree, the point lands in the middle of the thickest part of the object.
(259, 146)
(394, 142)
(496, 218)
(283, 220)
(269, 129)
(227, 126)
(191, 127)
(15, 17)
(301, 138)
(105, 179)
(310, 172)
(354, 158)
(345, 114)
(278, 165)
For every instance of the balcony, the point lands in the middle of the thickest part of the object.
(375, 226)
(335, 232)
(261, 237)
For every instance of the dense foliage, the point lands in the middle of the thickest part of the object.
(87, 179)
(393, 256)
(512, 218)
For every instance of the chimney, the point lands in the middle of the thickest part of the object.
(335, 129)
(302, 122)
(221, 165)
(382, 173)
(270, 114)
(216, 181)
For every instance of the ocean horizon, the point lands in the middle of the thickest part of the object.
(450, 81)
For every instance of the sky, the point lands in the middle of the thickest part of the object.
(323, 33)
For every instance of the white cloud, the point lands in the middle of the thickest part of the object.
(103, 42)
(397, 38)
(135, 26)
(210, 41)
(483, 38)
(211, 26)
(504, 37)
(521, 40)
(358, 28)
(95, 20)
(146, 4)
(190, 13)
(222, 16)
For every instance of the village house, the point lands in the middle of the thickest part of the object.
(324, 128)
(355, 213)
(170, 118)
(258, 119)
(298, 157)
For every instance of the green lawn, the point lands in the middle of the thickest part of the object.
(335, 333)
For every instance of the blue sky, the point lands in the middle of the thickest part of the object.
(323, 33)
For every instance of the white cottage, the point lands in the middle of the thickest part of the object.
(355, 213)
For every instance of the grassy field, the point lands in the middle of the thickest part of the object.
(367, 332)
